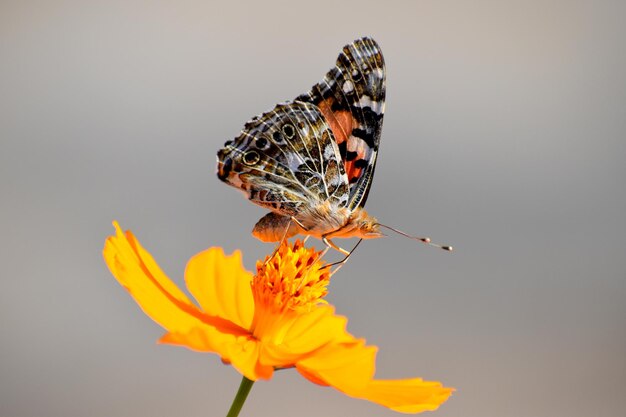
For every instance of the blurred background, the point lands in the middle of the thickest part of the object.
(504, 136)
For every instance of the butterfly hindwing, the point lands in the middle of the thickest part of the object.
(286, 159)
(351, 98)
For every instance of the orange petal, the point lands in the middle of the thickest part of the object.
(240, 351)
(345, 366)
(297, 336)
(155, 293)
(221, 285)
(404, 395)
(245, 358)
(216, 337)
(349, 368)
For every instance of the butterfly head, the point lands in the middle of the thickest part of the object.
(368, 226)
(359, 224)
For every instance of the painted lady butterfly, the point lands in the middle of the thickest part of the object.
(311, 161)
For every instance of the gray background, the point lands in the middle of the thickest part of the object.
(504, 136)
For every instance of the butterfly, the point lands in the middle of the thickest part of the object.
(311, 161)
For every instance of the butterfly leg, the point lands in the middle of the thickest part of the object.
(282, 240)
(324, 252)
(296, 221)
(330, 244)
(344, 260)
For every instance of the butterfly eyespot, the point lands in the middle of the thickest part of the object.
(277, 136)
(289, 131)
(251, 157)
(261, 143)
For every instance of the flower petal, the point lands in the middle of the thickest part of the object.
(349, 368)
(294, 337)
(156, 294)
(221, 285)
(240, 351)
(404, 395)
(245, 358)
(343, 366)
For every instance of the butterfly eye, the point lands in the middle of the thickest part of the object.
(251, 157)
(289, 131)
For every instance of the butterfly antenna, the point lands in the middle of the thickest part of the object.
(425, 240)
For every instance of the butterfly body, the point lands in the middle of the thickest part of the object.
(311, 161)
(321, 222)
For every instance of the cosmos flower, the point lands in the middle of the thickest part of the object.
(274, 319)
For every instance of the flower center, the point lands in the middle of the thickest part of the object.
(294, 279)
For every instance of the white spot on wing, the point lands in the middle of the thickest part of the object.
(293, 161)
(347, 87)
(366, 101)
(329, 152)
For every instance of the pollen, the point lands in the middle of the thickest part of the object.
(293, 279)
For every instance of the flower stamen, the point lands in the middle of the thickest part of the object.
(294, 280)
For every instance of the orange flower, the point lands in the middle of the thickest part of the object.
(275, 319)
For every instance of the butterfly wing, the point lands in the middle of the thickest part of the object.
(286, 160)
(352, 99)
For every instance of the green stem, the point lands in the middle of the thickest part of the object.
(240, 398)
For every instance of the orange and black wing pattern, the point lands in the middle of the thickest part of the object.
(351, 98)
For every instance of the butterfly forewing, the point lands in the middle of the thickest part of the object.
(352, 99)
